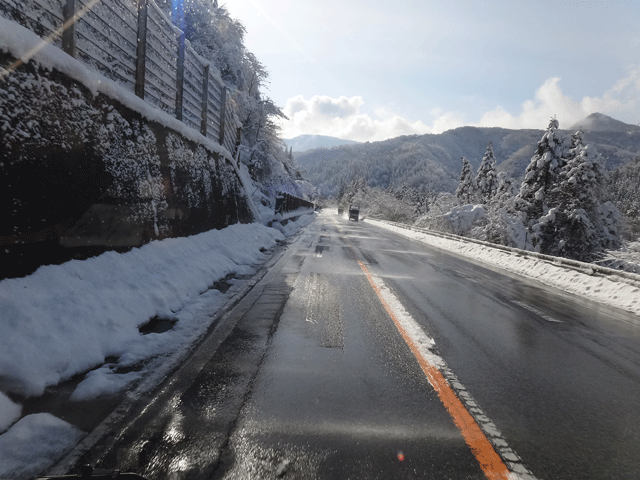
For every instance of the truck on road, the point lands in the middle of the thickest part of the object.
(354, 212)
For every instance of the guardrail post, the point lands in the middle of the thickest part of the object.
(205, 100)
(69, 30)
(223, 113)
(141, 49)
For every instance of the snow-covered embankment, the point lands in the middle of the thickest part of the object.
(67, 319)
(607, 290)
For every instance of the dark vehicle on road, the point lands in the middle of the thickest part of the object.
(340, 210)
(354, 212)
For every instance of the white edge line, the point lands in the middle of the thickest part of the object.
(426, 345)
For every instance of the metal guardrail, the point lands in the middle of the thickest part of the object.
(287, 203)
(583, 267)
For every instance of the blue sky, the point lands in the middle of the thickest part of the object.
(370, 70)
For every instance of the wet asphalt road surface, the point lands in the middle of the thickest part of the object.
(307, 377)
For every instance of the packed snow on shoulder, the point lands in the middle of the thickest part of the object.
(34, 443)
(65, 320)
(9, 412)
(600, 289)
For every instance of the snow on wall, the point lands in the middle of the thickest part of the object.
(82, 170)
(106, 39)
(42, 120)
(196, 166)
(132, 158)
(21, 43)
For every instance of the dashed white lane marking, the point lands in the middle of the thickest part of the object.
(538, 312)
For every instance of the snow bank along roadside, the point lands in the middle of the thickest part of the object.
(600, 289)
(67, 319)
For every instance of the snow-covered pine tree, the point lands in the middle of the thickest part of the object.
(486, 180)
(539, 179)
(355, 191)
(406, 194)
(624, 189)
(423, 202)
(466, 190)
(505, 190)
(585, 224)
(504, 222)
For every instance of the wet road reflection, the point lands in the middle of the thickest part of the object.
(309, 378)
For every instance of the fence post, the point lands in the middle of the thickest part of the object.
(205, 100)
(238, 139)
(223, 113)
(180, 77)
(141, 49)
(69, 31)
(177, 15)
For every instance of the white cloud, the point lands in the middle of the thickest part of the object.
(447, 121)
(622, 102)
(342, 117)
(548, 101)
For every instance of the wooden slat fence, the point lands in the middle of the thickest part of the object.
(134, 44)
(193, 88)
(214, 107)
(106, 39)
(43, 17)
(161, 61)
(230, 129)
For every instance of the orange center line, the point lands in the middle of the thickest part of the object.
(490, 462)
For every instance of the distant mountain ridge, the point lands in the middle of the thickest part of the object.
(598, 122)
(302, 143)
(433, 160)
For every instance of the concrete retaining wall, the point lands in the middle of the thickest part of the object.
(81, 174)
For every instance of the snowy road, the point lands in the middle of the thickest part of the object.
(364, 354)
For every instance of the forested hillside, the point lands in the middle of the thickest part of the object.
(432, 162)
(564, 202)
(624, 189)
(310, 142)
